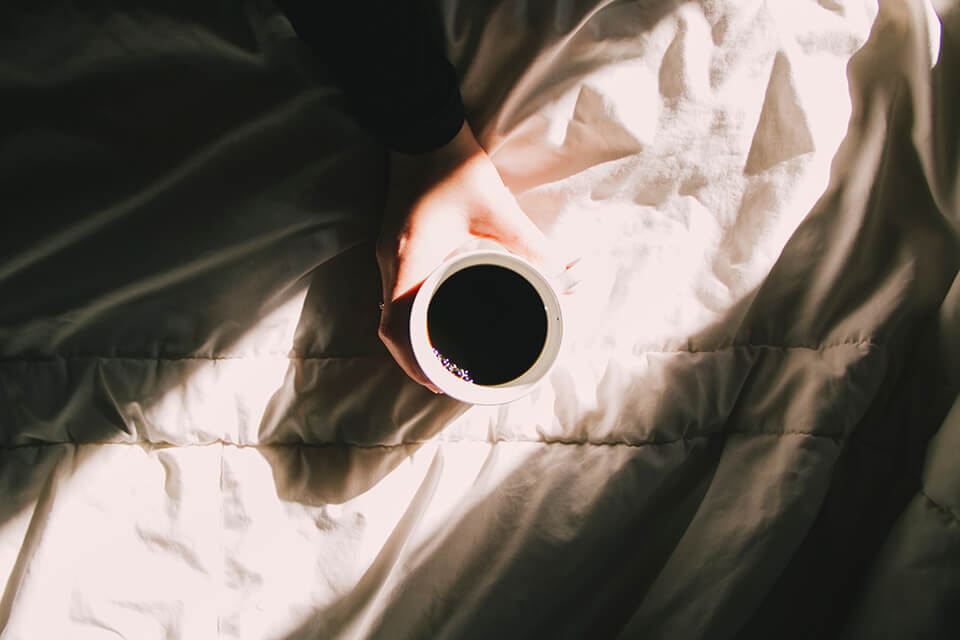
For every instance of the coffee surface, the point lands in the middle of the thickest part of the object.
(489, 321)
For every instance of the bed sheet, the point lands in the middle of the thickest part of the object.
(750, 431)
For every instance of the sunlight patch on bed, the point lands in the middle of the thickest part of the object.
(225, 398)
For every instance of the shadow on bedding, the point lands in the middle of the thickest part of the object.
(557, 560)
(169, 188)
(329, 396)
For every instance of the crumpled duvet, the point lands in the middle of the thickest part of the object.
(750, 432)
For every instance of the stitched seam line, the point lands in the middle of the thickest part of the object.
(868, 342)
(939, 507)
(221, 586)
(417, 443)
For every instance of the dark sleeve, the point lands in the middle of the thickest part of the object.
(390, 64)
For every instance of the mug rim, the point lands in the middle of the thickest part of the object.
(470, 392)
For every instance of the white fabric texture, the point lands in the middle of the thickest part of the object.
(202, 437)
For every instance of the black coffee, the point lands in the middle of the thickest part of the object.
(487, 321)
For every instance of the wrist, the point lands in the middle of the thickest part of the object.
(458, 151)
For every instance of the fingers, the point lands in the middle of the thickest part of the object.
(395, 334)
(421, 255)
(566, 281)
(516, 232)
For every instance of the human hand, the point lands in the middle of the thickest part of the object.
(436, 202)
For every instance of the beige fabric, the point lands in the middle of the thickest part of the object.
(202, 436)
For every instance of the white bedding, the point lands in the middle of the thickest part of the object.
(202, 437)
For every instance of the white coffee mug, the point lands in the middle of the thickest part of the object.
(487, 253)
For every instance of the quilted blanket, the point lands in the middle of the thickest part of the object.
(752, 428)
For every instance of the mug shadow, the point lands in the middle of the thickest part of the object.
(346, 414)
